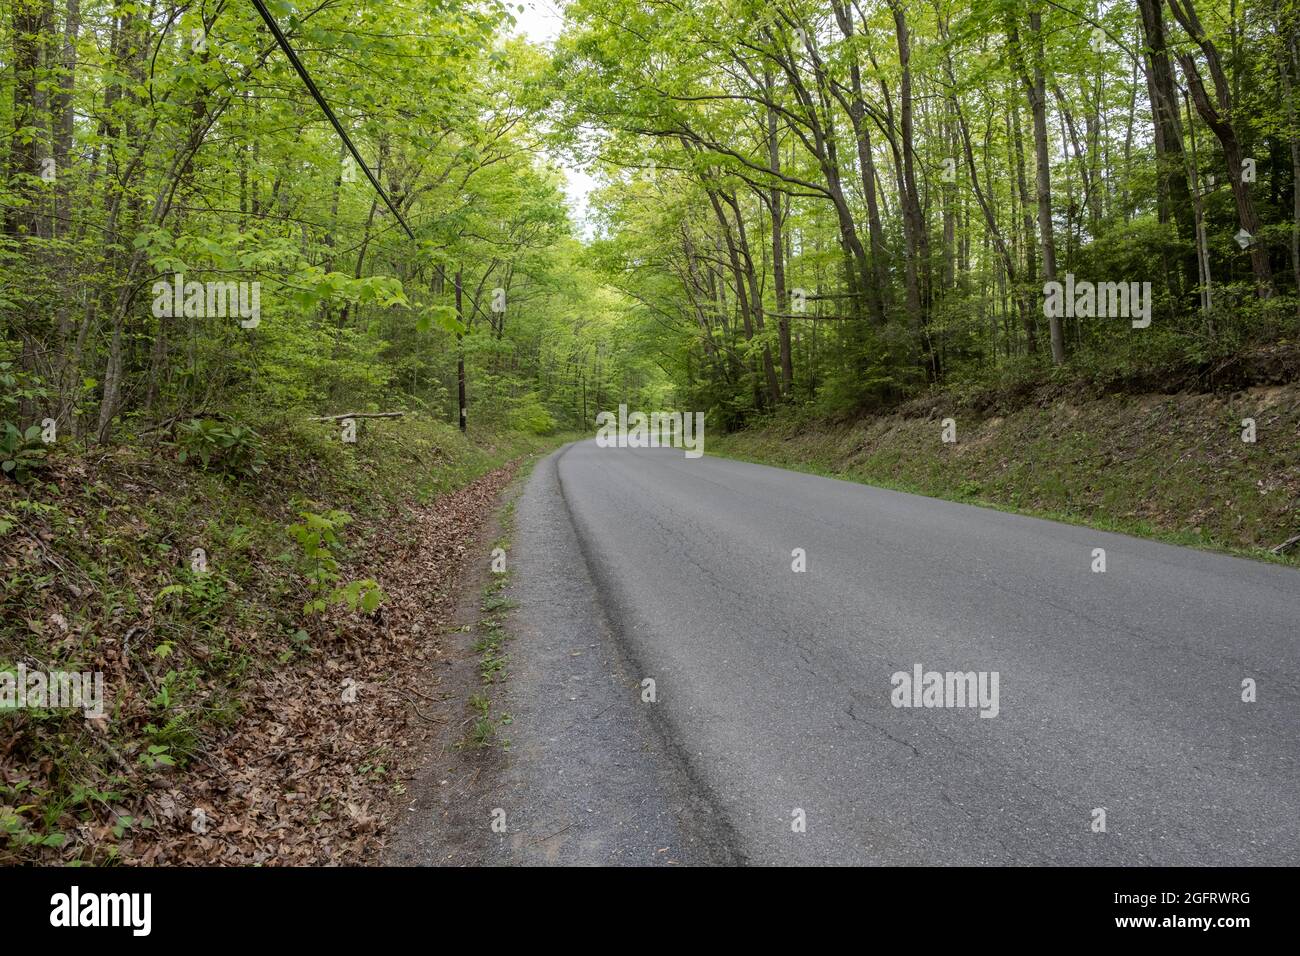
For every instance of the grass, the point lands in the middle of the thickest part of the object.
(492, 633)
(1168, 467)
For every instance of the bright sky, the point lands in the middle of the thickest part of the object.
(541, 22)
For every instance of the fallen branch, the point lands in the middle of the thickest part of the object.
(196, 413)
(336, 418)
(419, 713)
(1287, 545)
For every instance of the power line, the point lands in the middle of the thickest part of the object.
(316, 95)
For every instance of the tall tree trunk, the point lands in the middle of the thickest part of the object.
(1036, 88)
(1030, 237)
(878, 290)
(62, 119)
(986, 206)
(914, 236)
(1218, 115)
(821, 142)
(1202, 247)
(462, 413)
(755, 297)
(1174, 196)
(1286, 64)
(22, 218)
(775, 207)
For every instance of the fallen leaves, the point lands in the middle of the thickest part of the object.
(325, 734)
(289, 784)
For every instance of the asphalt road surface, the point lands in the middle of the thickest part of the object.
(773, 736)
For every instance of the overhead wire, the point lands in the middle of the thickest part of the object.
(329, 112)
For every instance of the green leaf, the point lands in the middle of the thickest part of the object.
(371, 600)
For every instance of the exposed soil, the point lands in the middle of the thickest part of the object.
(431, 821)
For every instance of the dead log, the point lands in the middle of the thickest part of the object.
(337, 418)
(1287, 545)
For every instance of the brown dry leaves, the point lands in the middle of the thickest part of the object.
(307, 772)
(306, 778)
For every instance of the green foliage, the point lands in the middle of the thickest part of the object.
(529, 415)
(124, 530)
(871, 110)
(317, 535)
(155, 756)
(228, 449)
(240, 181)
(197, 598)
(17, 830)
(22, 452)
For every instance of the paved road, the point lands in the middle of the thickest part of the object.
(1118, 690)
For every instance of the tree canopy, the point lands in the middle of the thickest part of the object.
(832, 203)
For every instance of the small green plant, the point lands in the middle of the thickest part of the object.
(492, 638)
(498, 602)
(317, 535)
(196, 597)
(482, 734)
(492, 667)
(20, 834)
(157, 756)
(228, 449)
(22, 452)
(86, 796)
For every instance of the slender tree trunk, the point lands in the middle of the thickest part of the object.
(1029, 236)
(878, 291)
(1202, 247)
(778, 257)
(1218, 115)
(1289, 63)
(462, 414)
(1174, 196)
(738, 275)
(755, 299)
(1036, 88)
(913, 223)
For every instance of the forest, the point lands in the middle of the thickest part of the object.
(835, 204)
(151, 145)
(292, 293)
(881, 195)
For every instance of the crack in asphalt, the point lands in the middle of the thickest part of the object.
(774, 687)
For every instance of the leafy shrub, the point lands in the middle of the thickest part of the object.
(228, 449)
(316, 535)
(528, 414)
(21, 452)
(196, 598)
